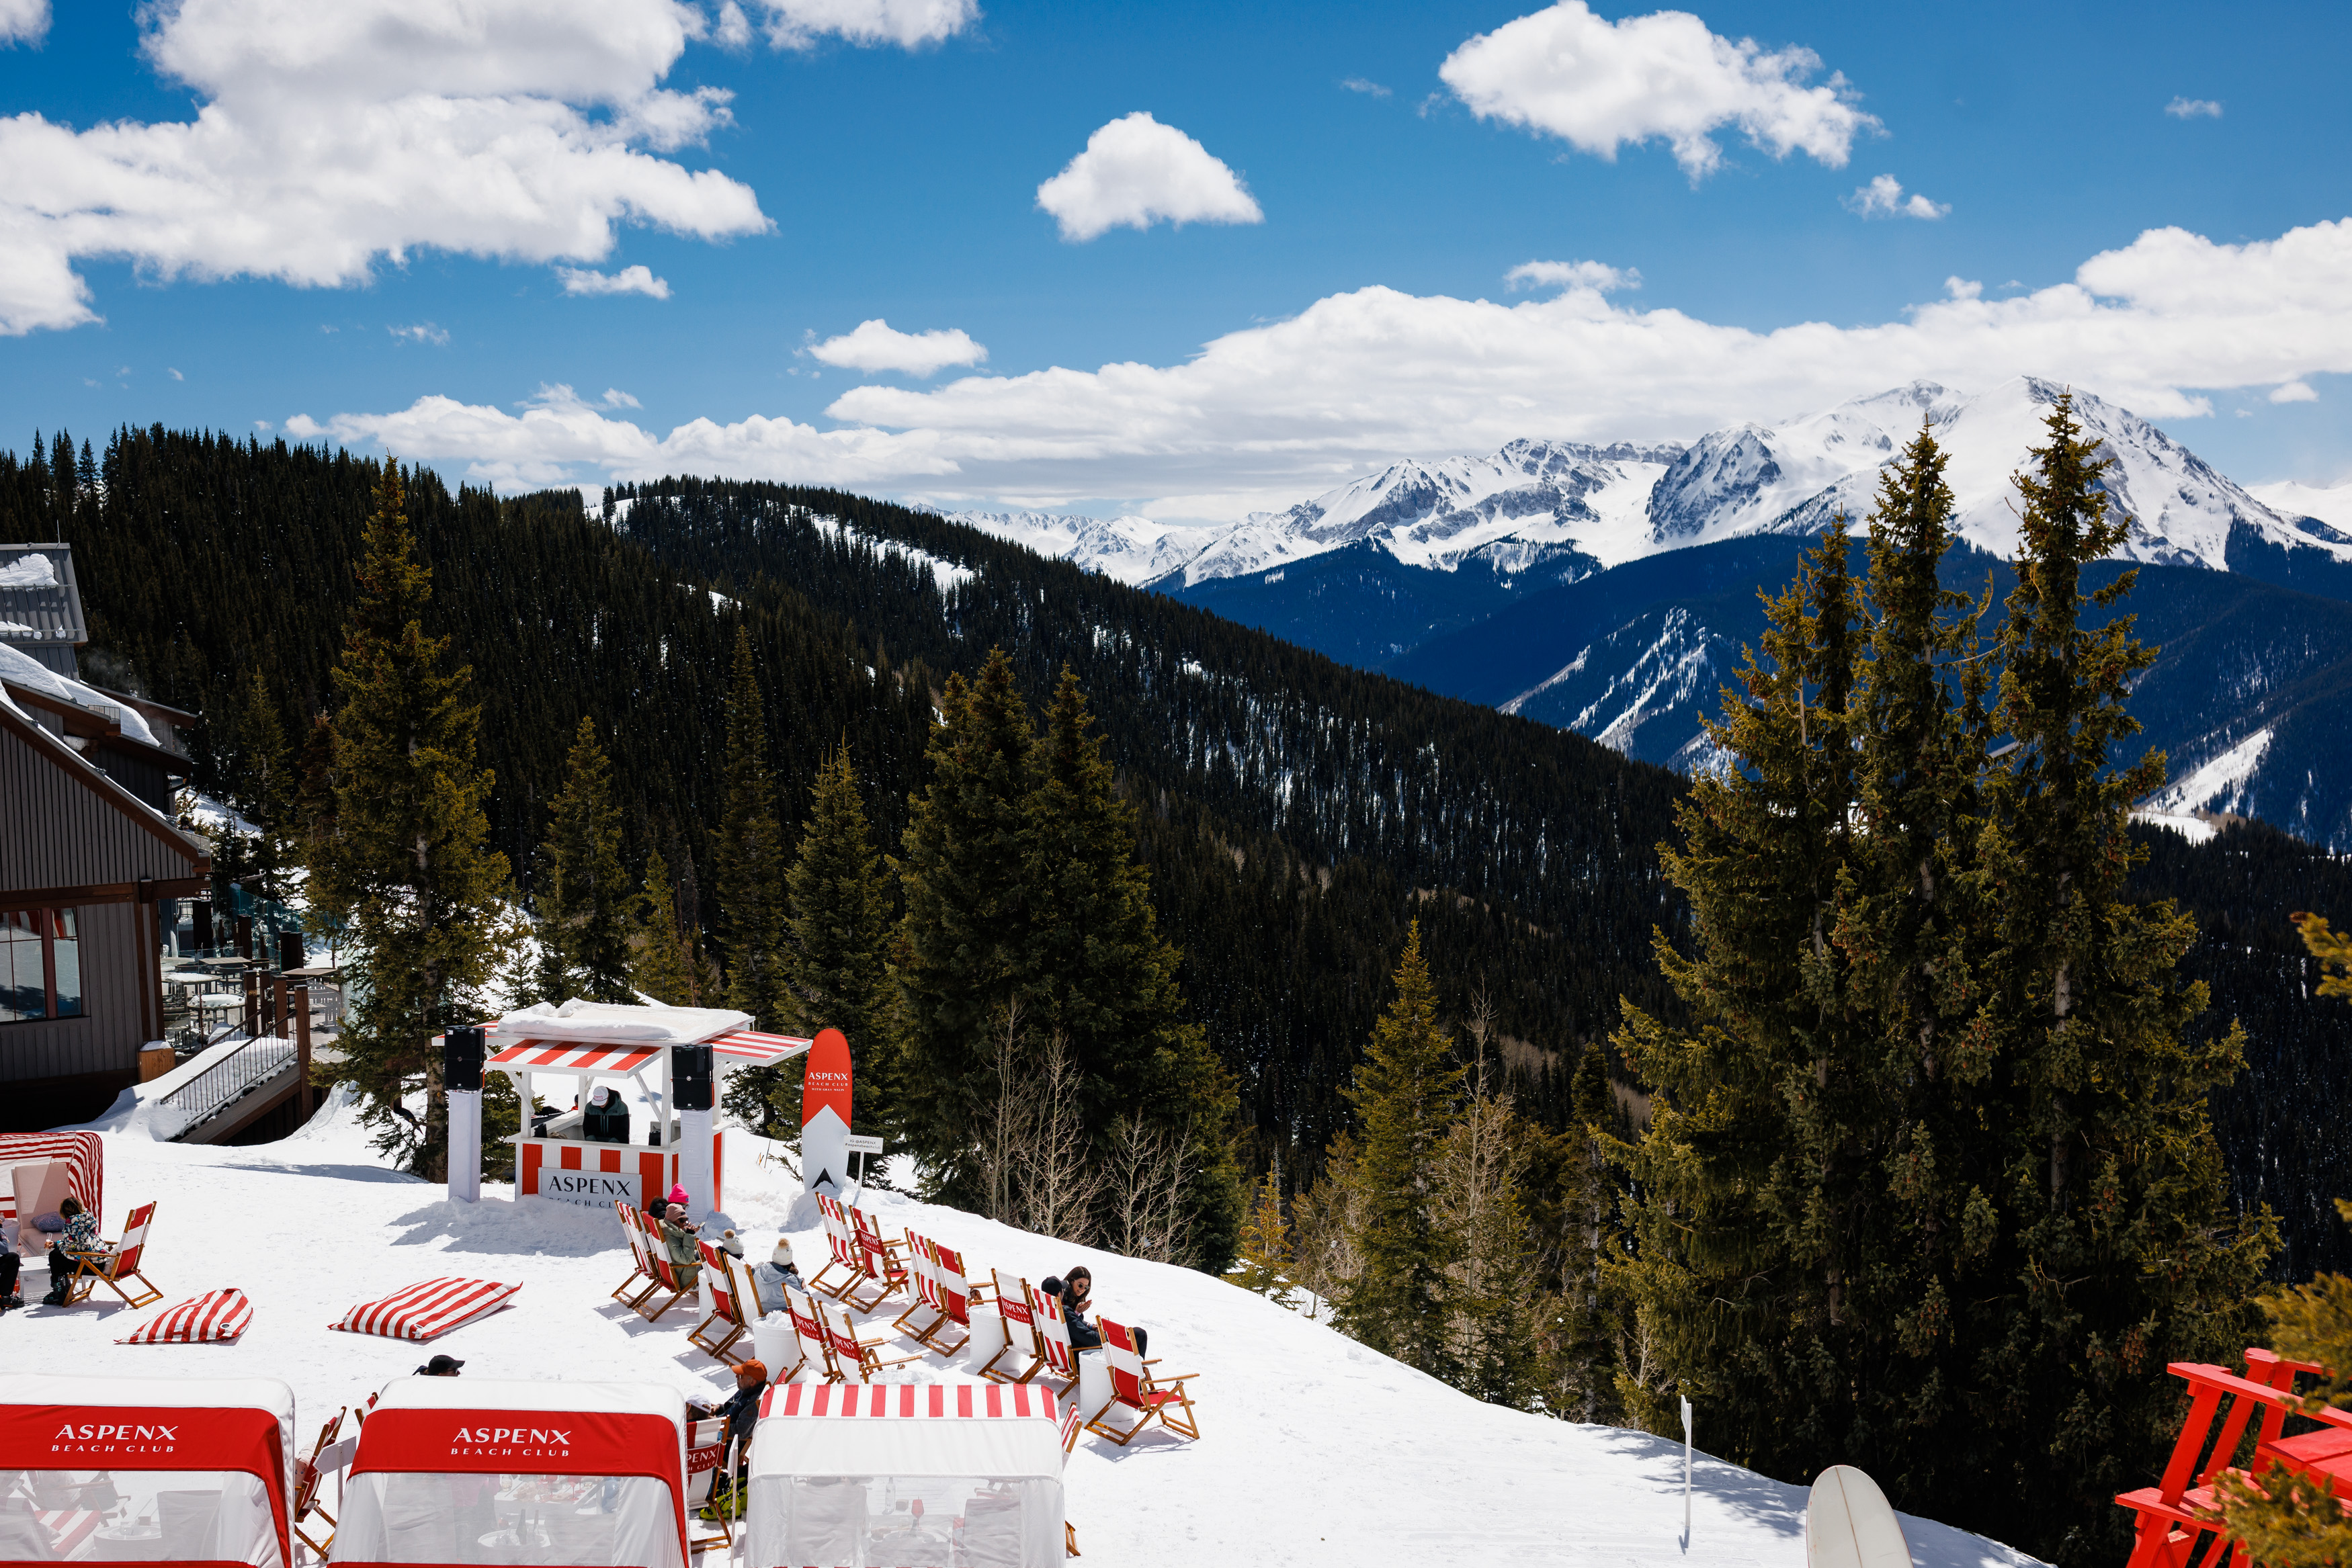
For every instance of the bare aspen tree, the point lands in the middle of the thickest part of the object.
(1150, 1171)
(1060, 1182)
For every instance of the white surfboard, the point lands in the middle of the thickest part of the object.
(1848, 1524)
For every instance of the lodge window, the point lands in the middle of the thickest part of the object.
(40, 965)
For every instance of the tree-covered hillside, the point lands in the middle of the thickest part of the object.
(1296, 814)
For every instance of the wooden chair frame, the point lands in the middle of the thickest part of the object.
(843, 1243)
(2172, 1517)
(307, 1485)
(860, 1346)
(808, 1330)
(726, 1536)
(1012, 1309)
(118, 1262)
(879, 1263)
(727, 1293)
(640, 1268)
(1152, 1398)
(1060, 1357)
(664, 1279)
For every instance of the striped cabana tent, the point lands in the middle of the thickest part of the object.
(84, 1160)
(907, 1472)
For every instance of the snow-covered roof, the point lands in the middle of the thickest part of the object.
(617, 1023)
(21, 669)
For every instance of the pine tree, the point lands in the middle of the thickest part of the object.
(585, 909)
(266, 786)
(1099, 974)
(1725, 1272)
(1407, 1094)
(1265, 1264)
(1578, 1341)
(963, 937)
(661, 950)
(405, 864)
(836, 950)
(2109, 1214)
(748, 853)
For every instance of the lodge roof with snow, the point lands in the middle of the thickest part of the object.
(40, 604)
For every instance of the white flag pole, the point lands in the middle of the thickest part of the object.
(1687, 1470)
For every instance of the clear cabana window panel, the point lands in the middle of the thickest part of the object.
(136, 1516)
(439, 1516)
(904, 1522)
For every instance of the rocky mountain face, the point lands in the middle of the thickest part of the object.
(1609, 590)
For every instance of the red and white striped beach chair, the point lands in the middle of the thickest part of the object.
(665, 1276)
(306, 1483)
(705, 1454)
(628, 1293)
(727, 1323)
(816, 1351)
(879, 1263)
(70, 1528)
(1133, 1387)
(427, 1310)
(1054, 1340)
(118, 1263)
(212, 1317)
(842, 1240)
(923, 1274)
(857, 1347)
(1020, 1331)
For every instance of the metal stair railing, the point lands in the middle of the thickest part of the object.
(229, 1079)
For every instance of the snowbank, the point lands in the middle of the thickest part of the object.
(1314, 1449)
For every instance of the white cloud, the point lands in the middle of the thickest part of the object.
(2294, 392)
(909, 24)
(332, 137)
(615, 398)
(1136, 171)
(2193, 108)
(423, 332)
(1363, 85)
(733, 29)
(1959, 287)
(628, 280)
(1601, 84)
(874, 346)
(24, 21)
(1597, 275)
(175, 374)
(1883, 198)
(1263, 416)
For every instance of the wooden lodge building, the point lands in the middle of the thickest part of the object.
(86, 850)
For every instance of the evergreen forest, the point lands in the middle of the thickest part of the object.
(1413, 947)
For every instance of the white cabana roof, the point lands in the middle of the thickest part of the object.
(955, 1428)
(495, 1394)
(616, 1024)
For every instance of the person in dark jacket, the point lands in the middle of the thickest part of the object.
(79, 1240)
(1076, 1291)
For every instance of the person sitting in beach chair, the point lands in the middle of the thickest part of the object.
(678, 1239)
(79, 1240)
(1075, 1290)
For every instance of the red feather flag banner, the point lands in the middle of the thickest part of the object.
(428, 1309)
(212, 1317)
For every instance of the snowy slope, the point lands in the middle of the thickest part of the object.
(1131, 549)
(1314, 1450)
(2332, 505)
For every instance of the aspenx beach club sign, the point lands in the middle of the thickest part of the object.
(590, 1189)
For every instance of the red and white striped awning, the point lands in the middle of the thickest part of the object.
(562, 1056)
(951, 1428)
(909, 1401)
(761, 1050)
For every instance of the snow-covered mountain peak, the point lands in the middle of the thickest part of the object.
(1131, 550)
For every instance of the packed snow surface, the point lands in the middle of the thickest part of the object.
(1313, 1450)
(2218, 784)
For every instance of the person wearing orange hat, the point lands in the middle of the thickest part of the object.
(741, 1413)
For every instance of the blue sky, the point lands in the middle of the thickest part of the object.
(894, 174)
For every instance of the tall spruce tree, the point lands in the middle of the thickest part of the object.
(405, 864)
(585, 902)
(963, 937)
(1097, 972)
(661, 949)
(1262, 1260)
(1407, 1094)
(750, 857)
(1734, 1255)
(2110, 1218)
(836, 952)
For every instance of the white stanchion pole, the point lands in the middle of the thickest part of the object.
(466, 1146)
(1687, 1471)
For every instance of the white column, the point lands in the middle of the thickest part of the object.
(694, 1161)
(466, 1146)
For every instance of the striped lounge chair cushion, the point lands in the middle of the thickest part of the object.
(428, 1309)
(214, 1315)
